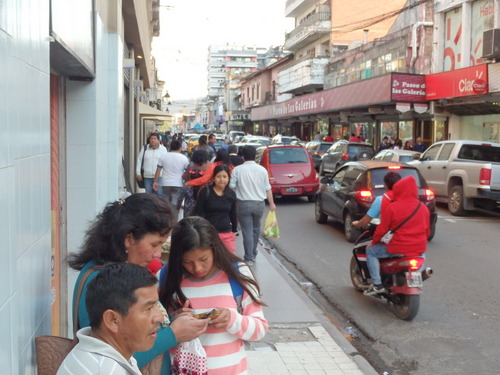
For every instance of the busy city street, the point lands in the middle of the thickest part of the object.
(456, 329)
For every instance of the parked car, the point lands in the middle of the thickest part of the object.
(348, 194)
(404, 156)
(343, 151)
(465, 174)
(317, 149)
(291, 170)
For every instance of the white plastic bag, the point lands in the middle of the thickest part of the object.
(190, 359)
(386, 238)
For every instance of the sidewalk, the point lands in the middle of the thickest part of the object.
(299, 340)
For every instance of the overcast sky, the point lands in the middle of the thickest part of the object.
(187, 28)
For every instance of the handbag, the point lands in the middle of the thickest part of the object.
(386, 238)
(190, 359)
(51, 350)
(141, 183)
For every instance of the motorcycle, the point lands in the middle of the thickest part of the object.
(401, 276)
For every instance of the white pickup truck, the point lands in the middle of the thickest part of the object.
(465, 174)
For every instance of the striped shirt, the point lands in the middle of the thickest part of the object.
(224, 347)
(93, 356)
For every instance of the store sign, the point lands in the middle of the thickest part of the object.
(407, 87)
(457, 83)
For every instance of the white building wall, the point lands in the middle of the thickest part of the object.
(24, 182)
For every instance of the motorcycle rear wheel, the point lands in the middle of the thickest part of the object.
(356, 276)
(405, 306)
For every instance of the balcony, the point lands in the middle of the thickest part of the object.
(303, 76)
(293, 8)
(308, 31)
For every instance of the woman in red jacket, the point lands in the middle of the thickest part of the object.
(410, 239)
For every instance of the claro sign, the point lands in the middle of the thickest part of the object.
(456, 83)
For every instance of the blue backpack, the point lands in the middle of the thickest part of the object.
(236, 288)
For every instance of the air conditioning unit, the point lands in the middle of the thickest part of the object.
(491, 44)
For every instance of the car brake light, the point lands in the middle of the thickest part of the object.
(485, 176)
(429, 195)
(345, 156)
(394, 167)
(365, 196)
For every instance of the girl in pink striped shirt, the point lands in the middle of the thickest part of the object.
(198, 280)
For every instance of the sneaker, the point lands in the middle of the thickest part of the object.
(374, 290)
(249, 263)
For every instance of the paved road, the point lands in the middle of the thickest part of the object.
(456, 330)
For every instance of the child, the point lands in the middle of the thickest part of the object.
(200, 277)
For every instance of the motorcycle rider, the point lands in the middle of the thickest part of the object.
(409, 240)
(381, 202)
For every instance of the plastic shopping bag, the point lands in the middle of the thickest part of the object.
(271, 229)
(190, 359)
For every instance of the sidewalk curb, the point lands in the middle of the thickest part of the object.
(332, 330)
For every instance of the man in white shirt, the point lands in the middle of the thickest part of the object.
(122, 301)
(171, 166)
(148, 160)
(251, 183)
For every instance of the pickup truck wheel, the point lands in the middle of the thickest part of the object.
(456, 201)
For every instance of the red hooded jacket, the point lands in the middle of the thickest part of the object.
(411, 237)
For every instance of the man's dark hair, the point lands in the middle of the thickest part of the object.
(200, 157)
(114, 288)
(248, 153)
(211, 135)
(157, 135)
(232, 149)
(390, 179)
(175, 145)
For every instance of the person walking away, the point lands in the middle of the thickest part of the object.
(419, 146)
(410, 239)
(354, 138)
(234, 158)
(217, 204)
(328, 138)
(203, 145)
(148, 159)
(122, 301)
(171, 167)
(133, 230)
(251, 183)
(199, 164)
(222, 157)
(203, 274)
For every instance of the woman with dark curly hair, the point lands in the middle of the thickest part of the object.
(202, 276)
(133, 230)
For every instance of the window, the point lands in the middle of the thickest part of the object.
(431, 153)
(446, 151)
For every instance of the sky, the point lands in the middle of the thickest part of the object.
(189, 27)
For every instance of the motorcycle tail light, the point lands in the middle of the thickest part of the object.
(485, 176)
(413, 264)
(429, 195)
(365, 196)
(345, 156)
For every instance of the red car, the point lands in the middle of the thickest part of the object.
(291, 170)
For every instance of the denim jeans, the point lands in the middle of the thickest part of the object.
(373, 253)
(148, 185)
(173, 194)
(249, 216)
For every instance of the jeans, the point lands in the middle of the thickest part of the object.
(173, 194)
(373, 253)
(148, 185)
(249, 216)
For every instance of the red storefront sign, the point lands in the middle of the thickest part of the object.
(379, 90)
(456, 83)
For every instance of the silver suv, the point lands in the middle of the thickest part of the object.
(343, 151)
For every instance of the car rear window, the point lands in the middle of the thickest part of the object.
(480, 152)
(376, 176)
(353, 150)
(287, 155)
(324, 147)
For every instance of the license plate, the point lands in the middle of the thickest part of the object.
(414, 279)
(292, 190)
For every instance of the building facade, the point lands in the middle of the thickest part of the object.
(67, 148)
